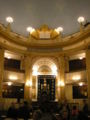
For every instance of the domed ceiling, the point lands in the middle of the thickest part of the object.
(35, 13)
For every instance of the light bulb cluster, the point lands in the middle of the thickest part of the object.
(30, 29)
(58, 30)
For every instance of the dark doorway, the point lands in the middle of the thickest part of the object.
(46, 84)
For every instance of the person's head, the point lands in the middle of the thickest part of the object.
(58, 117)
(13, 105)
(74, 107)
(84, 101)
(37, 115)
(25, 103)
(65, 114)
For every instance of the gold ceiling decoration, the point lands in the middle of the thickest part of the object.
(44, 32)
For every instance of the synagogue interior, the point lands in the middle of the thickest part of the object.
(45, 68)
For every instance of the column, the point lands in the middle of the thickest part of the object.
(88, 74)
(28, 78)
(66, 64)
(34, 87)
(61, 82)
(1, 70)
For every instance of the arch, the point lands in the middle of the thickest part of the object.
(44, 64)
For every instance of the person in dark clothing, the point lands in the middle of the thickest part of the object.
(85, 110)
(65, 110)
(12, 111)
(37, 115)
(44, 103)
(74, 113)
(24, 111)
(85, 107)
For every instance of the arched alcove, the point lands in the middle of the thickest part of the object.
(44, 71)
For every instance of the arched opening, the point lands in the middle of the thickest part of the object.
(45, 71)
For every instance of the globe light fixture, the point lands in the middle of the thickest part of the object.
(59, 30)
(9, 19)
(30, 29)
(81, 19)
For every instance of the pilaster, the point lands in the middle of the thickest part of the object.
(28, 78)
(1, 70)
(61, 81)
(88, 74)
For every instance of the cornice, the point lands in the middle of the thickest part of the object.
(20, 44)
(55, 43)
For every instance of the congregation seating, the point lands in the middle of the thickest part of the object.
(56, 111)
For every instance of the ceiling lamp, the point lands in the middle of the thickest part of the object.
(30, 29)
(9, 19)
(81, 19)
(59, 30)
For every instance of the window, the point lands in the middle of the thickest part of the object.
(77, 64)
(11, 63)
(80, 92)
(13, 91)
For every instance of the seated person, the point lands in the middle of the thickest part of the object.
(12, 111)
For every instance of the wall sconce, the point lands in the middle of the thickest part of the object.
(61, 84)
(35, 70)
(80, 58)
(81, 84)
(9, 57)
(9, 83)
(29, 83)
(12, 77)
(76, 78)
(54, 70)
